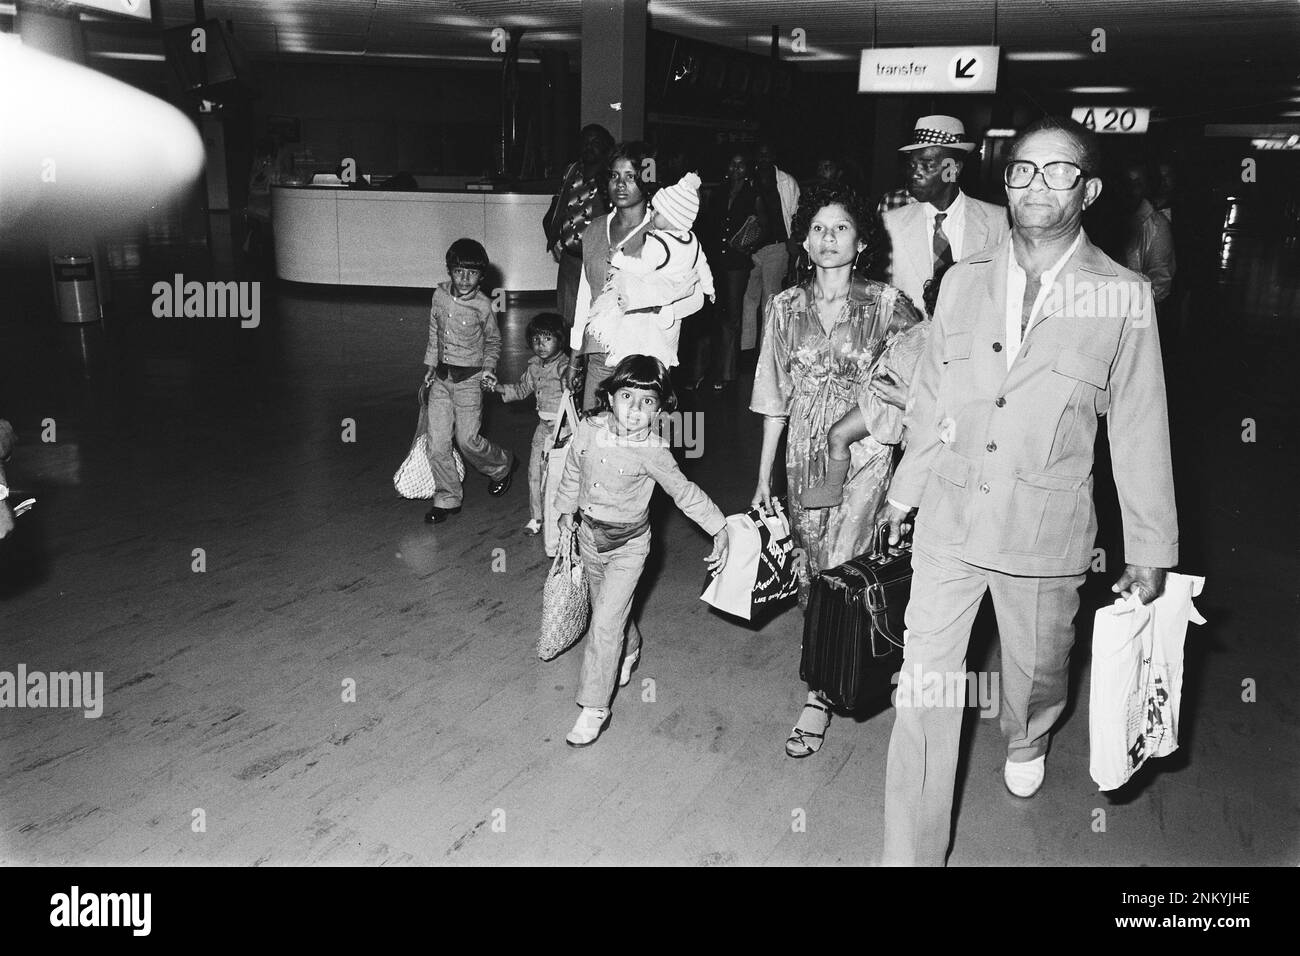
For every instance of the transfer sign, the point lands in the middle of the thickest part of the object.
(929, 69)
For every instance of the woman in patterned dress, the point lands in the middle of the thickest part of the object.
(825, 343)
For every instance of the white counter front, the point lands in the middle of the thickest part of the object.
(377, 237)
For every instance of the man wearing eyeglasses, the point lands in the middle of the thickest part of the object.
(944, 224)
(1032, 342)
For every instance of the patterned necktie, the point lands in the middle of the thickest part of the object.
(942, 251)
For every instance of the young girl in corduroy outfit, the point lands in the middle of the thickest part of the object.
(616, 459)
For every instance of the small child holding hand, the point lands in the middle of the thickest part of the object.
(615, 461)
(545, 336)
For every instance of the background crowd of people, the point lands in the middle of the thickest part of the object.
(746, 227)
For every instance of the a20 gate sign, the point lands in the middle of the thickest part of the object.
(1112, 119)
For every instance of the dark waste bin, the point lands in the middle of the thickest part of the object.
(74, 289)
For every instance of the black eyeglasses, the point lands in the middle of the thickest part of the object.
(1059, 175)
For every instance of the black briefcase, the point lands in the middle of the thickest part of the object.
(853, 628)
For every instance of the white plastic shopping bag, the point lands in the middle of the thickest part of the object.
(1137, 680)
(732, 588)
(760, 563)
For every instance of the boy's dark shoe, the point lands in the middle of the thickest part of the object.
(438, 515)
(498, 488)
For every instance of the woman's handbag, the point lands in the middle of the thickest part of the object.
(414, 478)
(747, 236)
(1137, 680)
(760, 564)
(557, 453)
(853, 628)
(566, 602)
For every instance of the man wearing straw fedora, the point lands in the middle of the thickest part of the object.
(944, 224)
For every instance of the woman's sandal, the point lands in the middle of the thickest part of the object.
(805, 743)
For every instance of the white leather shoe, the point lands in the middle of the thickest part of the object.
(588, 727)
(629, 662)
(1024, 779)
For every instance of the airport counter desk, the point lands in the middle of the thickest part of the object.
(381, 237)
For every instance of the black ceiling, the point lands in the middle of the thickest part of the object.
(1217, 60)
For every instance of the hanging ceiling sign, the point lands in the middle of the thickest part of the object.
(929, 69)
(1113, 119)
(136, 9)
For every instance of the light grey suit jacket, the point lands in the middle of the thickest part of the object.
(912, 256)
(1000, 461)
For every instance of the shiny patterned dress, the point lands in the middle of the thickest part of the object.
(814, 378)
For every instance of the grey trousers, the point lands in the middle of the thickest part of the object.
(456, 409)
(1035, 626)
(770, 264)
(537, 466)
(611, 579)
(566, 286)
(597, 371)
(728, 314)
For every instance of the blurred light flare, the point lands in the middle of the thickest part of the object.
(114, 151)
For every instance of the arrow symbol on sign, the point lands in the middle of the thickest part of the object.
(963, 69)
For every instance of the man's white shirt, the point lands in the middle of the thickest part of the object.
(1017, 279)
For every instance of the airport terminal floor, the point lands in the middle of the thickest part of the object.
(207, 538)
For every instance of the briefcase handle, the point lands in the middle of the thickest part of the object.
(880, 543)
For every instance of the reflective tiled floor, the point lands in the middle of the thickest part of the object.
(224, 689)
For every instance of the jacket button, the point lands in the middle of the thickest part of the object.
(999, 401)
(992, 446)
(997, 346)
(985, 487)
(595, 484)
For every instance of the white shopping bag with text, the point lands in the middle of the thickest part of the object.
(1137, 680)
(760, 564)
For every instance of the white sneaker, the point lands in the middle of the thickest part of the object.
(588, 727)
(629, 662)
(1024, 779)
(533, 527)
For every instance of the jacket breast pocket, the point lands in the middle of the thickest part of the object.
(957, 346)
(1045, 514)
(1082, 367)
(943, 517)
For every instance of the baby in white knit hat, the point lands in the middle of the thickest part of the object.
(638, 311)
